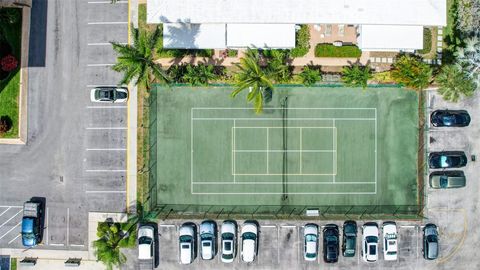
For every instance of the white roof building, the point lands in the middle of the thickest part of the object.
(384, 25)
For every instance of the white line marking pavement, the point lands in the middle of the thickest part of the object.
(68, 224)
(97, 23)
(16, 237)
(12, 206)
(105, 191)
(77, 245)
(268, 226)
(106, 149)
(104, 43)
(46, 226)
(105, 170)
(100, 65)
(288, 226)
(108, 2)
(166, 225)
(5, 211)
(100, 85)
(11, 218)
(106, 107)
(407, 226)
(100, 128)
(10, 230)
(57, 245)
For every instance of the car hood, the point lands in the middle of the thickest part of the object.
(310, 230)
(186, 230)
(207, 227)
(228, 228)
(370, 231)
(145, 231)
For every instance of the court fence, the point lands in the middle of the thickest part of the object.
(297, 212)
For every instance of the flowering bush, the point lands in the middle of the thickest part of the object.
(8, 63)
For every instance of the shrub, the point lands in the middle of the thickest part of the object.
(302, 42)
(8, 63)
(454, 82)
(232, 53)
(356, 75)
(5, 124)
(277, 65)
(199, 75)
(427, 41)
(411, 71)
(309, 76)
(328, 50)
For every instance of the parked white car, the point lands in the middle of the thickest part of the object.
(207, 239)
(390, 241)
(187, 243)
(310, 234)
(229, 241)
(109, 94)
(249, 241)
(146, 242)
(370, 242)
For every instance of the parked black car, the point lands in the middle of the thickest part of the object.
(430, 242)
(330, 243)
(447, 159)
(349, 238)
(447, 118)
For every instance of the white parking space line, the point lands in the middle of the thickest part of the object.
(11, 218)
(100, 85)
(16, 237)
(107, 2)
(104, 43)
(166, 225)
(107, 107)
(100, 65)
(77, 245)
(5, 211)
(106, 149)
(57, 245)
(268, 226)
(105, 170)
(289, 226)
(98, 128)
(102, 23)
(68, 224)
(105, 191)
(13, 228)
(11, 206)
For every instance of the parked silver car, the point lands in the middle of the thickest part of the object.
(447, 179)
(229, 241)
(207, 239)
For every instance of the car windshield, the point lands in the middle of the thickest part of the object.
(249, 235)
(372, 239)
(391, 253)
(185, 238)
(445, 161)
(28, 235)
(449, 119)
(144, 240)
(331, 239)
(443, 181)
(206, 236)
(310, 255)
(227, 256)
(206, 244)
(311, 238)
(185, 246)
(227, 236)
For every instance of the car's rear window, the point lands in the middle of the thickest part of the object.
(227, 246)
(372, 250)
(185, 246)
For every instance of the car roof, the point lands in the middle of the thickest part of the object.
(144, 252)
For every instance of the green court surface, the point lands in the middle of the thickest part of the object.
(311, 147)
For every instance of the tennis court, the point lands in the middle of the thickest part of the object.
(310, 146)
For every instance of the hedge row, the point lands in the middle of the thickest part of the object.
(328, 50)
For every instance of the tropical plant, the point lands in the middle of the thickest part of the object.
(9, 15)
(302, 42)
(468, 59)
(137, 61)
(309, 76)
(277, 68)
(199, 75)
(8, 63)
(251, 76)
(112, 237)
(468, 16)
(411, 71)
(356, 75)
(453, 83)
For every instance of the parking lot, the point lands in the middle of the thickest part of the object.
(281, 247)
(75, 155)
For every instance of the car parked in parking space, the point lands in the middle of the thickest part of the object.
(187, 244)
(349, 245)
(146, 246)
(447, 179)
(207, 239)
(450, 118)
(330, 243)
(447, 159)
(370, 242)
(390, 241)
(109, 94)
(430, 242)
(249, 241)
(310, 235)
(228, 237)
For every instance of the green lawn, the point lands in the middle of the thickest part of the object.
(10, 87)
(345, 149)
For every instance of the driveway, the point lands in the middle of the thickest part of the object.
(76, 150)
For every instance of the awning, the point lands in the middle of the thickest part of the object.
(193, 36)
(390, 38)
(278, 36)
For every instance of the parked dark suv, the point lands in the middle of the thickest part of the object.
(447, 118)
(447, 159)
(430, 242)
(349, 238)
(330, 243)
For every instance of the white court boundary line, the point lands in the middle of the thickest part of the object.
(335, 142)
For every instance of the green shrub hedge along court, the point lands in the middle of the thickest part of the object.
(328, 50)
(427, 41)
(337, 149)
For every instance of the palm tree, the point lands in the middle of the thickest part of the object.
(251, 76)
(468, 59)
(454, 82)
(137, 61)
(111, 237)
(309, 76)
(411, 71)
(356, 75)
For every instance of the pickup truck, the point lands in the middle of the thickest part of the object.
(32, 223)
